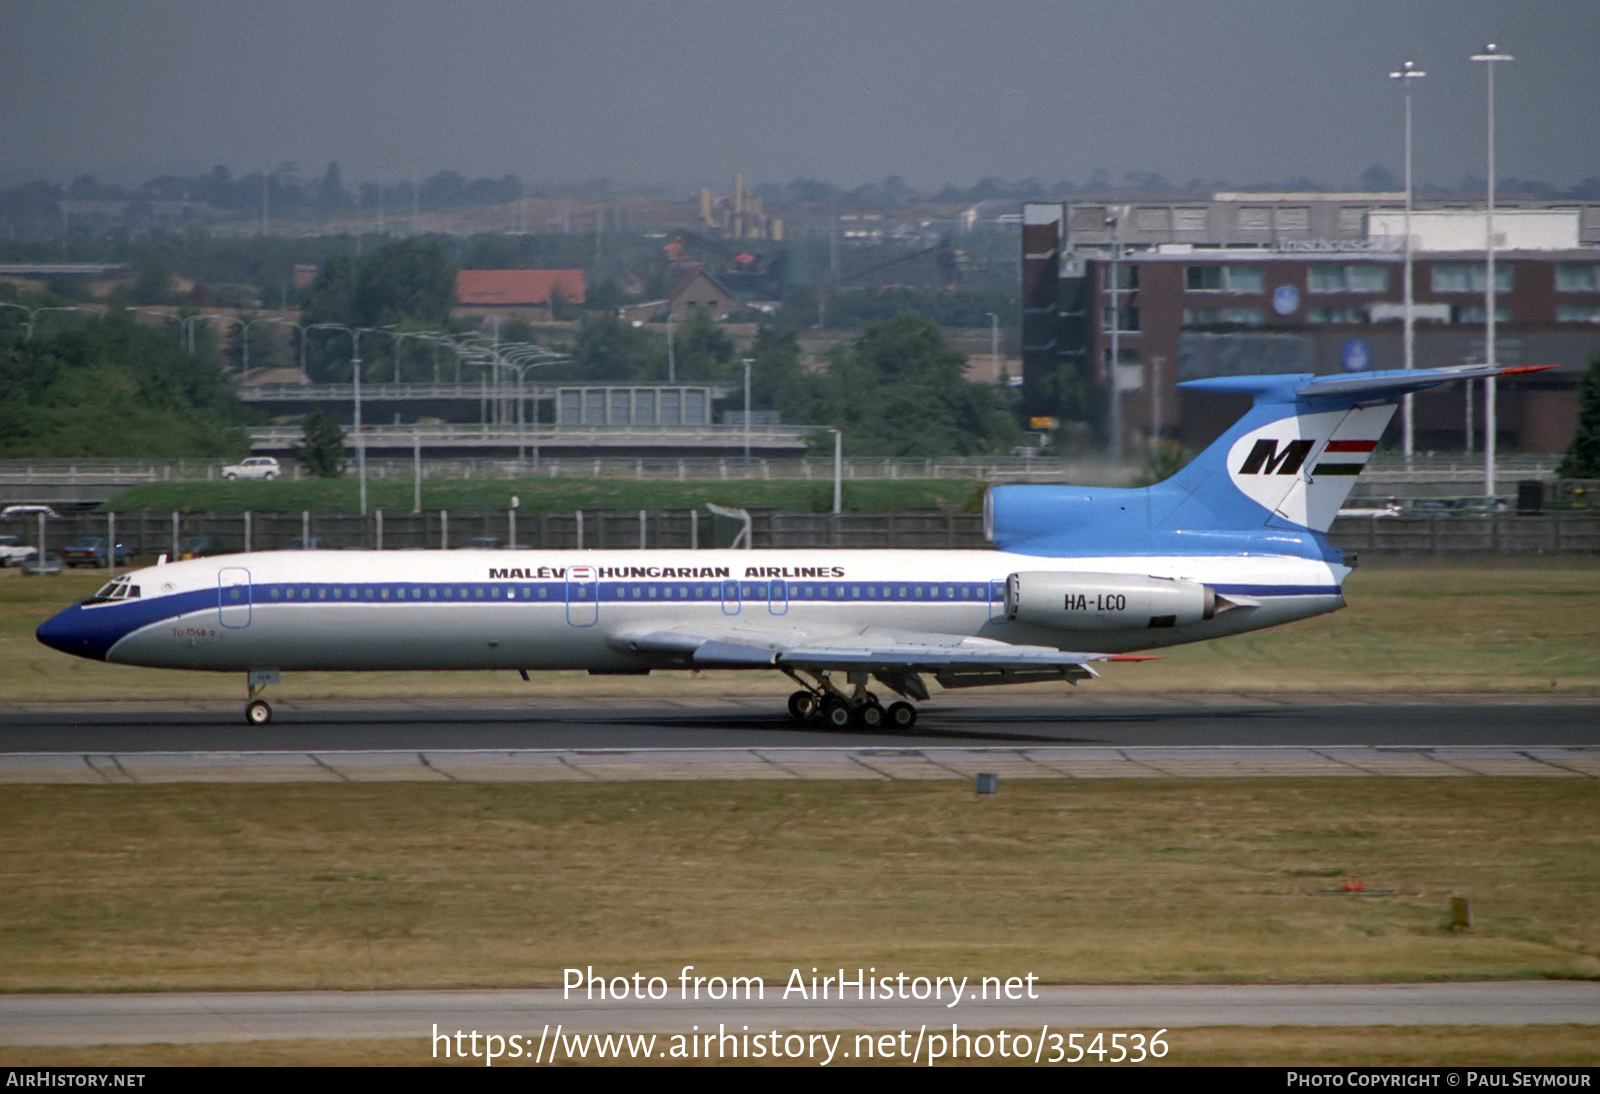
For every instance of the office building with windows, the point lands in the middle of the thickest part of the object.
(1252, 283)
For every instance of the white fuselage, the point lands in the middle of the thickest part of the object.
(535, 609)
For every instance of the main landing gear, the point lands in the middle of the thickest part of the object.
(824, 702)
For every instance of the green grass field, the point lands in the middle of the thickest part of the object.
(549, 495)
(395, 885)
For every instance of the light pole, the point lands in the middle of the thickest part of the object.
(746, 362)
(522, 358)
(672, 366)
(355, 334)
(838, 468)
(246, 335)
(1405, 75)
(33, 314)
(188, 328)
(1489, 56)
(994, 343)
(1114, 217)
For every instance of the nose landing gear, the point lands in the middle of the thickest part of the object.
(257, 711)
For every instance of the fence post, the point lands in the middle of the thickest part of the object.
(247, 532)
(175, 524)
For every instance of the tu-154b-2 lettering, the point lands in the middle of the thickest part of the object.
(1234, 542)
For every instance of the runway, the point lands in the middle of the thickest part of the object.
(950, 720)
(957, 737)
(200, 1017)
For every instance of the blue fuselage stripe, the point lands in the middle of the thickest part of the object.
(92, 629)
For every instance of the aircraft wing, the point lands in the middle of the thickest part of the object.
(894, 656)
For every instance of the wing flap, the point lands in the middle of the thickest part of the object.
(872, 650)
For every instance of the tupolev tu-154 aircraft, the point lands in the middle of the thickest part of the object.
(1234, 542)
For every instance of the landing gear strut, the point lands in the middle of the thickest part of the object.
(257, 711)
(824, 701)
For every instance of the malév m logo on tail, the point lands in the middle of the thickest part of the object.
(1300, 467)
(1264, 458)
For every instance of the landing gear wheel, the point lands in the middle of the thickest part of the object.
(801, 705)
(871, 716)
(901, 715)
(836, 714)
(258, 713)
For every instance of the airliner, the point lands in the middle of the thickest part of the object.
(1234, 542)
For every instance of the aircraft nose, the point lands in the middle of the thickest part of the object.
(67, 631)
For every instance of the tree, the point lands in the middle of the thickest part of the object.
(321, 449)
(410, 283)
(609, 349)
(777, 380)
(898, 390)
(114, 388)
(702, 349)
(1582, 460)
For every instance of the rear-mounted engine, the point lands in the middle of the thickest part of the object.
(1107, 602)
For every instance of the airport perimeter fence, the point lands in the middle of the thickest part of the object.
(147, 534)
(1088, 470)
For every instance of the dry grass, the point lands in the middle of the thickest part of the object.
(1523, 627)
(399, 885)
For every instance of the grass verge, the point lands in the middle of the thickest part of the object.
(375, 886)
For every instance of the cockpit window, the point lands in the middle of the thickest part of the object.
(122, 588)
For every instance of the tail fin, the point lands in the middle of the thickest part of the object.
(1271, 484)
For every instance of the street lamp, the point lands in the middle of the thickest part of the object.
(1488, 57)
(994, 344)
(33, 314)
(746, 362)
(1405, 75)
(838, 468)
(355, 334)
(522, 359)
(1114, 217)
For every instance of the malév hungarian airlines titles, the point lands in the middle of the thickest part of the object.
(606, 573)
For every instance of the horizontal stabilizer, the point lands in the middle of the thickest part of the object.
(1401, 381)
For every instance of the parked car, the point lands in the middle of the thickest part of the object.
(483, 543)
(91, 551)
(50, 564)
(255, 467)
(14, 550)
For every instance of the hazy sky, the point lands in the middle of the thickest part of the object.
(849, 91)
